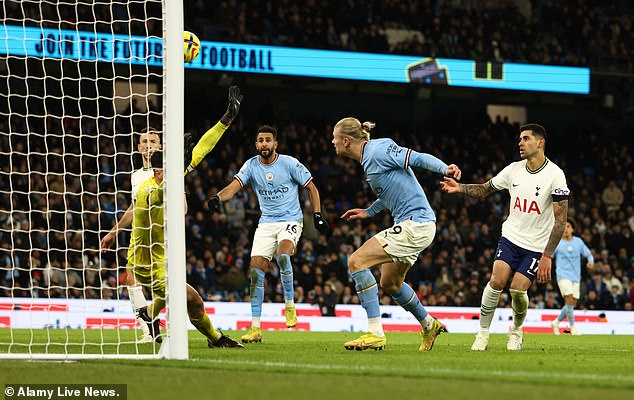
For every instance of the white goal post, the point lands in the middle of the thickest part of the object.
(79, 80)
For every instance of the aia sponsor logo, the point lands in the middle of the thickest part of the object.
(524, 206)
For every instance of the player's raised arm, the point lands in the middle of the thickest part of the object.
(193, 156)
(480, 190)
(453, 171)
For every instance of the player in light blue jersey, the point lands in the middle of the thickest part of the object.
(275, 178)
(388, 171)
(567, 257)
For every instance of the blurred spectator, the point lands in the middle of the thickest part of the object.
(329, 301)
(612, 197)
(614, 300)
(592, 301)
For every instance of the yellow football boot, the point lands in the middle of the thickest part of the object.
(429, 337)
(291, 316)
(367, 341)
(252, 336)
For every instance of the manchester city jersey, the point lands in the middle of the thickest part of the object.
(567, 258)
(387, 171)
(531, 217)
(276, 186)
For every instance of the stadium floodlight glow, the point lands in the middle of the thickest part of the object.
(276, 60)
(74, 102)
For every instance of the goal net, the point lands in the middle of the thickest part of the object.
(79, 82)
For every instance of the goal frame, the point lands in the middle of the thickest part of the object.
(175, 343)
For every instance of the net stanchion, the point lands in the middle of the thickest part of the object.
(82, 84)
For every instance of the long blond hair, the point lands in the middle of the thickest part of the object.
(352, 127)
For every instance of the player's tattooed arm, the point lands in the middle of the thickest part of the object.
(480, 190)
(560, 209)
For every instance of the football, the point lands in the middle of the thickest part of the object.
(191, 46)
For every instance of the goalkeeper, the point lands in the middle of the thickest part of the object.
(148, 257)
(149, 141)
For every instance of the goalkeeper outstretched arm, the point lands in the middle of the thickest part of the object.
(194, 156)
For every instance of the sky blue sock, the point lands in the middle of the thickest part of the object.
(257, 292)
(570, 314)
(562, 313)
(407, 299)
(286, 272)
(368, 292)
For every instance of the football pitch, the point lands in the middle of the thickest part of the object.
(303, 365)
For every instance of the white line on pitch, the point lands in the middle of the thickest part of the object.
(522, 374)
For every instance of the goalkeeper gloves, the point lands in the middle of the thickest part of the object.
(189, 148)
(320, 223)
(214, 203)
(235, 98)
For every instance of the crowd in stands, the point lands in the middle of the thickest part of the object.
(69, 180)
(538, 31)
(63, 203)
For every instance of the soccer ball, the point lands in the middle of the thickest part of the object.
(191, 46)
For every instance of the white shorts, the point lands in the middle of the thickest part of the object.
(568, 287)
(269, 235)
(405, 241)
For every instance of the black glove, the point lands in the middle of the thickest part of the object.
(188, 148)
(320, 223)
(214, 203)
(235, 98)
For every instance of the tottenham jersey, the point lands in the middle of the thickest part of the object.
(138, 177)
(388, 172)
(531, 218)
(276, 186)
(568, 258)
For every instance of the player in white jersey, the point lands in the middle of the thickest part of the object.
(275, 179)
(534, 227)
(149, 142)
(387, 167)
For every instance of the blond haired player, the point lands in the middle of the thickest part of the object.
(388, 170)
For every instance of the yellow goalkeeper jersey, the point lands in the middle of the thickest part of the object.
(148, 231)
(138, 177)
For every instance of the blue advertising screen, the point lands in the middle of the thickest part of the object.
(276, 60)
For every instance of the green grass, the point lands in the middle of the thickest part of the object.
(303, 365)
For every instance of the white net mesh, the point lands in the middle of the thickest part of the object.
(78, 81)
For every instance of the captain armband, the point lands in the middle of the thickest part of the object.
(560, 195)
